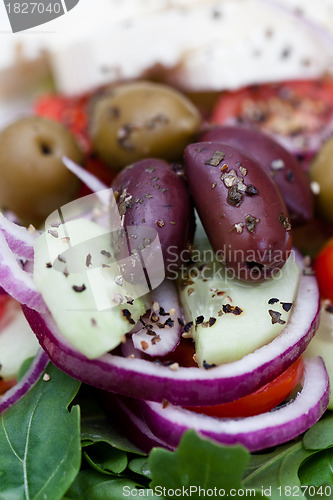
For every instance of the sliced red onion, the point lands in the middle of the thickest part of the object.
(322, 33)
(307, 148)
(19, 239)
(104, 212)
(16, 281)
(162, 331)
(89, 179)
(129, 351)
(125, 415)
(27, 381)
(256, 433)
(191, 386)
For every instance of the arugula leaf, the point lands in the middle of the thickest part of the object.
(296, 464)
(90, 485)
(198, 462)
(320, 435)
(278, 470)
(318, 470)
(140, 466)
(97, 428)
(106, 459)
(40, 450)
(261, 463)
(290, 465)
(264, 469)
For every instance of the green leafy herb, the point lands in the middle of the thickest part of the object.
(198, 463)
(320, 435)
(105, 458)
(40, 451)
(264, 469)
(40, 426)
(97, 428)
(318, 470)
(140, 466)
(90, 485)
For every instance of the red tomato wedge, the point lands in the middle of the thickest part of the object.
(298, 114)
(5, 385)
(264, 399)
(73, 113)
(97, 167)
(70, 111)
(184, 354)
(323, 267)
(4, 299)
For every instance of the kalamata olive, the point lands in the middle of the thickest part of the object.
(142, 119)
(153, 198)
(241, 209)
(34, 181)
(321, 171)
(285, 170)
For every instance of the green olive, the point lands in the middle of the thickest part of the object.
(321, 172)
(34, 181)
(141, 119)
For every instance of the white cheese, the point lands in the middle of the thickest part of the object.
(200, 44)
(203, 45)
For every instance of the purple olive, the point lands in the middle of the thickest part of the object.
(284, 169)
(241, 209)
(153, 198)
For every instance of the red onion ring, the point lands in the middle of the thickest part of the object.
(256, 433)
(19, 239)
(27, 381)
(191, 386)
(125, 415)
(16, 281)
(168, 337)
(90, 180)
(322, 33)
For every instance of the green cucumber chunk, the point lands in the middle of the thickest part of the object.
(322, 344)
(81, 284)
(232, 318)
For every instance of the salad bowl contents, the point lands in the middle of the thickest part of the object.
(156, 261)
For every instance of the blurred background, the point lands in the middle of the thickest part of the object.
(197, 45)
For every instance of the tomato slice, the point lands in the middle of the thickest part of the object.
(323, 267)
(298, 114)
(70, 111)
(97, 167)
(184, 354)
(5, 385)
(264, 399)
(4, 300)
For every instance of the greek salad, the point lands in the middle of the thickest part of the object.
(166, 307)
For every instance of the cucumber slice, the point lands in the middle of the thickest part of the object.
(232, 318)
(80, 282)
